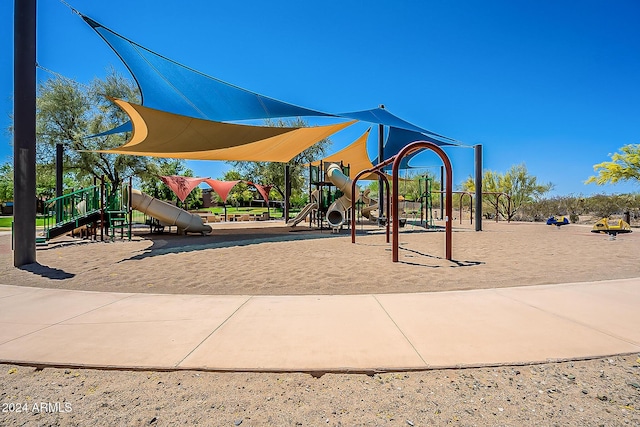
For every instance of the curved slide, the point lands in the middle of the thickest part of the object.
(337, 213)
(306, 210)
(370, 210)
(167, 213)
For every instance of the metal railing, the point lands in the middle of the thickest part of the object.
(71, 207)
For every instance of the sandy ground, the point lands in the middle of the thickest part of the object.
(603, 392)
(276, 261)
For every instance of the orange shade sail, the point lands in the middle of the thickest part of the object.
(160, 134)
(354, 155)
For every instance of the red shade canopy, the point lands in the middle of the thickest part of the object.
(181, 185)
(222, 188)
(263, 190)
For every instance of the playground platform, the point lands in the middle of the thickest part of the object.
(319, 333)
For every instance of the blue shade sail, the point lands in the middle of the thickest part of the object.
(399, 138)
(384, 117)
(124, 127)
(169, 86)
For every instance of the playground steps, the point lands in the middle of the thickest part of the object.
(118, 220)
(69, 226)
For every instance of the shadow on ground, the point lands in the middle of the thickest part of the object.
(47, 272)
(171, 243)
(456, 263)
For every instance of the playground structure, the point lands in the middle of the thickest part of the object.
(426, 202)
(558, 221)
(168, 214)
(394, 214)
(325, 204)
(164, 122)
(337, 212)
(87, 210)
(369, 206)
(307, 210)
(611, 227)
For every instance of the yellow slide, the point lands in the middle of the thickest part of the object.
(168, 214)
(306, 210)
(337, 212)
(370, 209)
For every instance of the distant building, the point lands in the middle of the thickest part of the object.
(208, 199)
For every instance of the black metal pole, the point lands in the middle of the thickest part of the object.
(129, 208)
(24, 124)
(59, 160)
(478, 184)
(380, 160)
(441, 192)
(287, 192)
(59, 182)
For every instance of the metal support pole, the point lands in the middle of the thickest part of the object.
(59, 180)
(478, 184)
(287, 192)
(24, 122)
(129, 207)
(102, 203)
(380, 160)
(441, 192)
(59, 160)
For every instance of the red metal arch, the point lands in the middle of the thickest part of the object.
(376, 170)
(408, 149)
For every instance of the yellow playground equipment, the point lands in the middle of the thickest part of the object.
(611, 227)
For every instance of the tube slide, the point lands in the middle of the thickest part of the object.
(167, 213)
(337, 213)
(306, 210)
(370, 208)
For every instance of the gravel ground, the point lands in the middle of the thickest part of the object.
(599, 392)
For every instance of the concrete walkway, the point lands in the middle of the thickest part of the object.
(319, 333)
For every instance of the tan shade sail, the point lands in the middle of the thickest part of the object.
(354, 155)
(160, 134)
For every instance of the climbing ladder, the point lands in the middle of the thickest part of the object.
(118, 212)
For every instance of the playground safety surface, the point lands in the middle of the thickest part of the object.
(319, 333)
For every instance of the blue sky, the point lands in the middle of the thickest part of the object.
(552, 84)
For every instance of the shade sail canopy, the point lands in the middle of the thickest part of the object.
(398, 138)
(354, 155)
(384, 117)
(222, 188)
(264, 190)
(181, 185)
(161, 134)
(170, 86)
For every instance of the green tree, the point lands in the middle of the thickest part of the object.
(514, 188)
(603, 206)
(412, 187)
(273, 173)
(624, 166)
(67, 112)
(539, 210)
(45, 181)
(6, 182)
